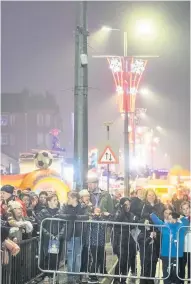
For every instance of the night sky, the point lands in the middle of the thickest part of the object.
(38, 54)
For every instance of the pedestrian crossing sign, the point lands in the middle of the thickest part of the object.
(108, 156)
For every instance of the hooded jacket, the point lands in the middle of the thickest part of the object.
(102, 200)
(172, 236)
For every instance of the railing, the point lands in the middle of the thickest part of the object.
(22, 268)
(74, 249)
(81, 247)
(184, 264)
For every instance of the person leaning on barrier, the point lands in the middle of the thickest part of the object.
(153, 204)
(148, 247)
(52, 236)
(185, 208)
(124, 245)
(98, 197)
(42, 202)
(85, 200)
(74, 214)
(169, 245)
(96, 239)
(21, 228)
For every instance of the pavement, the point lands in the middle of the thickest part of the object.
(110, 264)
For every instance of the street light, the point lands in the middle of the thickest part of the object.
(108, 29)
(144, 27)
(138, 68)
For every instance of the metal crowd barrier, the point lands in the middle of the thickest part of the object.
(184, 264)
(22, 268)
(78, 249)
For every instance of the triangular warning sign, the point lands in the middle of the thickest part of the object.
(108, 157)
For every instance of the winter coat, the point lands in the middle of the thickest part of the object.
(148, 247)
(137, 207)
(122, 238)
(38, 208)
(157, 208)
(105, 202)
(71, 214)
(96, 232)
(50, 228)
(170, 236)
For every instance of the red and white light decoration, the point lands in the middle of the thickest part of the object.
(127, 74)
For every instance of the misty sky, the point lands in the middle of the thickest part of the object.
(38, 54)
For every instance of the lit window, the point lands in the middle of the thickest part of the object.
(4, 139)
(40, 138)
(40, 119)
(4, 120)
(47, 119)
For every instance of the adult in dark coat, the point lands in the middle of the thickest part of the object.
(138, 203)
(124, 245)
(74, 213)
(52, 235)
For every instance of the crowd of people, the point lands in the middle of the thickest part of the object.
(80, 229)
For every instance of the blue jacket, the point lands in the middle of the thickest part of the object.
(170, 232)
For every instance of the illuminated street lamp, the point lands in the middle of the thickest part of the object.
(127, 73)
(144, 27)
(108, 29)
(144, 91)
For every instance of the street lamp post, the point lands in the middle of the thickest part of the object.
(108, 125)
(126, 131)
(81, 99)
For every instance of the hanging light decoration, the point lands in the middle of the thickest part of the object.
(138, 67)
(119, 90)
(116, 65)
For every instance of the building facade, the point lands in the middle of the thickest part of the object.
(26, 121)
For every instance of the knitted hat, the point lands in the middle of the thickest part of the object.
(8, 189)
(14, 205)
(84, 192)
(93, 180)
(123, 200)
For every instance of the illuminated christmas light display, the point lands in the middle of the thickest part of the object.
(127, 74)
(115, 65)
(138, 67)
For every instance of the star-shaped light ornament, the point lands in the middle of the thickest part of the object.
(115, 65)
(137, 67)
(119, 90)
(133, 91)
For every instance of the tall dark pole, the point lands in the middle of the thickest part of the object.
(81, 98)
(108, 124)
(126, 136)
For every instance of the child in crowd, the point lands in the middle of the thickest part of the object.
(97, 239)
(167, 213)
(173, 232)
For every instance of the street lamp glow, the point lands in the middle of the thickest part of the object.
(144, 27)
(144, 91)
(106, 29)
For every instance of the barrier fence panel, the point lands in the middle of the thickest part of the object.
(23, 267)
(78, 249)
(184, 264)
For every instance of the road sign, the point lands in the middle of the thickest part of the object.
(108, 156)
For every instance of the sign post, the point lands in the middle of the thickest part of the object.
(108, 157)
